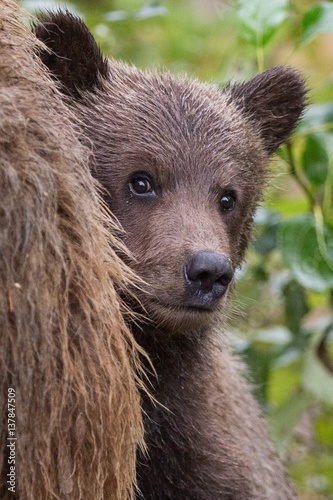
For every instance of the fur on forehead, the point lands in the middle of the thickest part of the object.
(184, 116)
(272, 102)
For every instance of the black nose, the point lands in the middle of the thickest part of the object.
(208, 275)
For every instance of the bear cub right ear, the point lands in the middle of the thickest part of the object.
(74, 58)
(274, 101)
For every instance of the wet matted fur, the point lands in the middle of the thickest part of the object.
(169, 152)
(64, 346)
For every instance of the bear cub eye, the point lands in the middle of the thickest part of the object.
(228, 201)
(141, 184)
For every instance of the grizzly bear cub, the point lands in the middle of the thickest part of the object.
(183, 166)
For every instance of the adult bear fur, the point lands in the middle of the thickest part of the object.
(168, 152)
(64, 347)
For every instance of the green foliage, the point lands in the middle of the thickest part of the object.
(319, 19)
(315, 161)
(283, 309)
(286, 416)
(260, 20)
(307, 253)
(295, 252)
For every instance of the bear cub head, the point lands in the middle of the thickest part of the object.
(183, 165)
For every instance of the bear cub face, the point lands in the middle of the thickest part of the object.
(183, 165)
(181, 186)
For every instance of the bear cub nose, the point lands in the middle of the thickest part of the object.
(207, 275)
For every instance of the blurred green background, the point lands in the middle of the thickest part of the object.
(282, 315)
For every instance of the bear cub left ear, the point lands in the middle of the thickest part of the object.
(274, 101)
(73, 58)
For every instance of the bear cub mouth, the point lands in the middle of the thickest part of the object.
(206, 279)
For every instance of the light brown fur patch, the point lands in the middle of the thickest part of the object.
(64, 346)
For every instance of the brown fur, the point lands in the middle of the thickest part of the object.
(206, 438)
(64, 346)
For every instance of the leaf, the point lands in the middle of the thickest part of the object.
(324, 427)
(302, 254)
(319, 19)
(147, 11)
(267, 223)
(315, 160)
(284, 418)
(260, 19)
(296, 307)
(316, 117)
(276, 335)
(288, 207)
(316, 378)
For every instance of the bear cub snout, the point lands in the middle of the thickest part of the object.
(207, 276)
